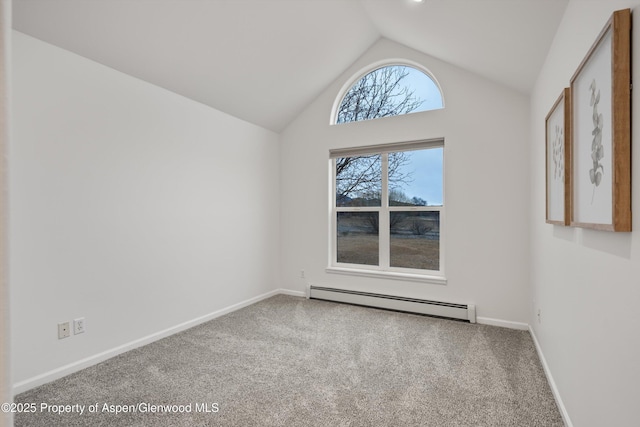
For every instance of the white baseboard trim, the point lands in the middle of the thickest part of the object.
(63, 371)
(292, 293)
(503, 323)
(552, 383)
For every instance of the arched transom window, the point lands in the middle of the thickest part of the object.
(390, 90)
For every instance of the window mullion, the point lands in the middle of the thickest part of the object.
(333, 213)
(383, 231)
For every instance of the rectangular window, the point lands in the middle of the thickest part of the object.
(387, 210)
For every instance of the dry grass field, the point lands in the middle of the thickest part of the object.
(408, 252)
(358, 249)
(415, 253)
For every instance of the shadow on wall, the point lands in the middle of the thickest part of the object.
(618, 244)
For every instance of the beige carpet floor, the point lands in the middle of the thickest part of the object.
(288, 361)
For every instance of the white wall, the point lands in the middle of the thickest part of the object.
(586, 283)
(131, 206)
(485, 127)
(6, 418)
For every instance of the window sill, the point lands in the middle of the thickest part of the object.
(436, 280)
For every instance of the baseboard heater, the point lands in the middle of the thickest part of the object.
(392, 302)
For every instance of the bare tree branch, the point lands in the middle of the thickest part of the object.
(380, 93)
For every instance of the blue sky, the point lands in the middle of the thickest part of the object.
(426, 170)
(424, 88)
(425, 165)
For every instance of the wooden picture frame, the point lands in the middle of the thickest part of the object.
(558, 160)
(601, 131)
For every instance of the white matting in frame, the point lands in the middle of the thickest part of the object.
(593, 159)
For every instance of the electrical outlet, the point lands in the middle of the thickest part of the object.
(302, 274)
(63, 330)
(78, 326)
(539, 319)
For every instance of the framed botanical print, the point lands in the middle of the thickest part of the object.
(601, 131)
(558, 160)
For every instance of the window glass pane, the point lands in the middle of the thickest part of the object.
(415, 240)
(358, 237)
(415, 177)
(389, 91)
(358, 180)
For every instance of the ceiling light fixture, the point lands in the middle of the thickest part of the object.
(418, 1)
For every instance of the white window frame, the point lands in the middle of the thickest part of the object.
(383, 269)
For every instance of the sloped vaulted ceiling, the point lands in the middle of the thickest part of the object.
(265, 60)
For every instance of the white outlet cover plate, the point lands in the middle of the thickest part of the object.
(78, 326)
